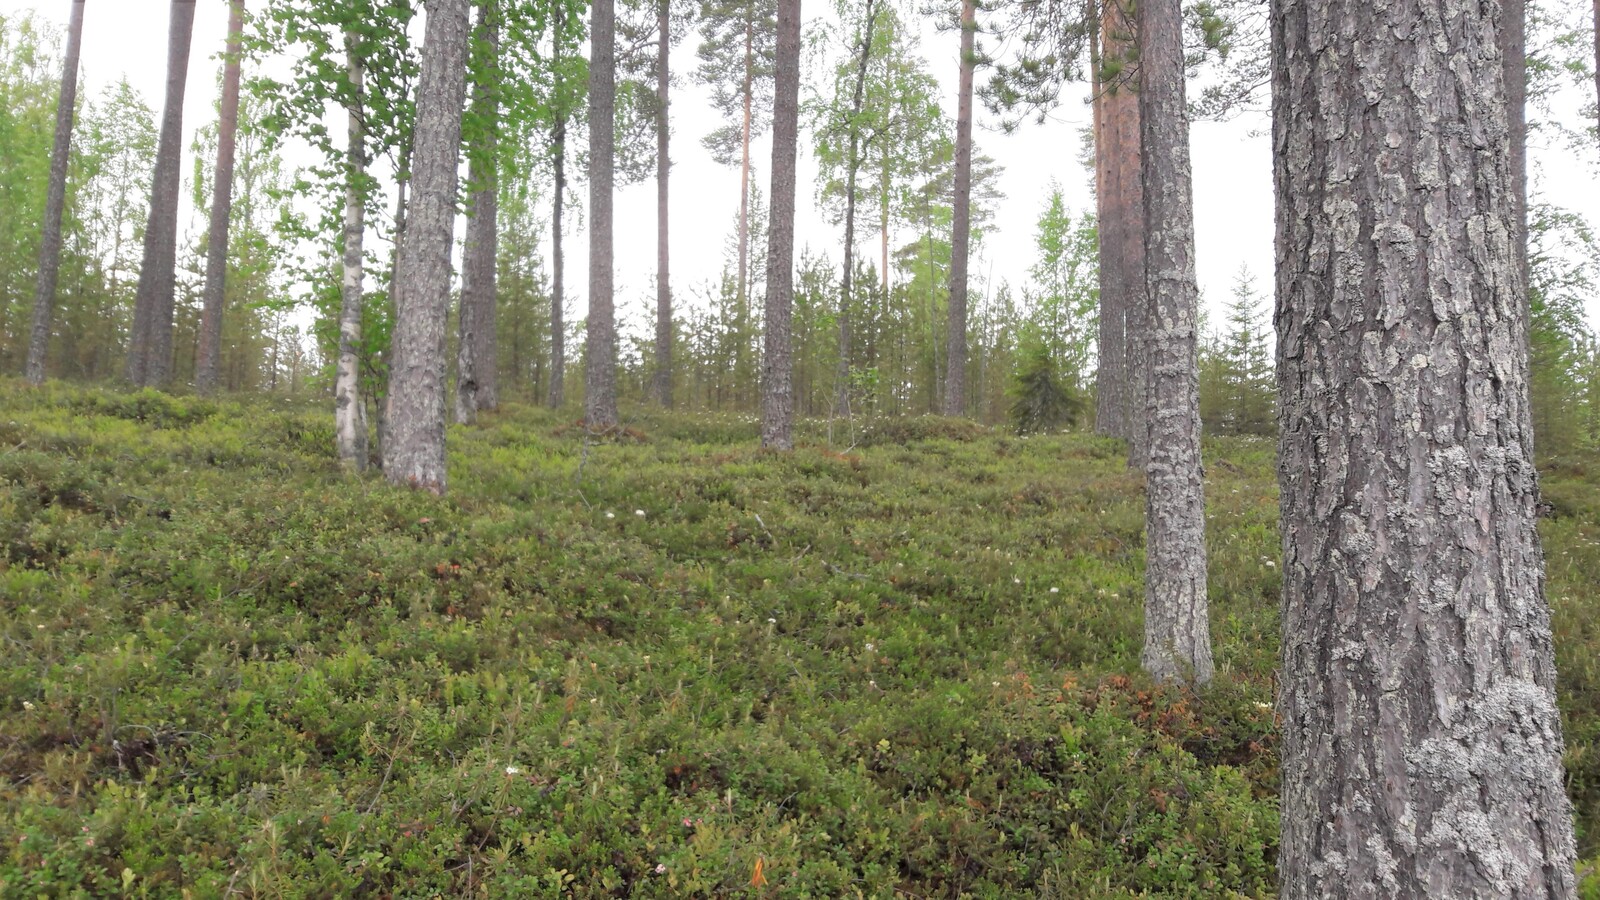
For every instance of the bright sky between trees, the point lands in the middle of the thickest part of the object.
(1232, 167)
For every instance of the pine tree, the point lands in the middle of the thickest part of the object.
(44, 297)
(413, 448)
(1422, 744)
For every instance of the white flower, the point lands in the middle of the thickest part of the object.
(661, 868)
(1016, 581)
(1055, 590)
(772, 621)
(513, 770)
(610, 515)
(1271, 564)
(27, 704)
(871, 646)
(639, 513)
(1260, 705)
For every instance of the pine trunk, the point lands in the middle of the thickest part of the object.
(1120, 386)
(841, 402)
(1177, 631)
(414, 451)
(663, 170)
(150, 347)
(476, 348)
(744, 175)
(402, 205)
(1596, 23)
(44, 297)
(210, 353)
(558, 269)
(1110, 378)
(955, 385)
(1422, 749)
(777, 426)
(349, 412)
(600, 347)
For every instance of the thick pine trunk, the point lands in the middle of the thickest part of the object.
(209, 356)
(1177, 631)
(44, 296)
(150, 346)
(1119, 385)
(600, 346)
(955, 382)
(663, 384)
(841, 400)
(349, 412)
(476, 348)
(414, 451)
(1596, 22)
(1421, 740)
(777, 402)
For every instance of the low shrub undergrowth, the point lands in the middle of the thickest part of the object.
(667, 667)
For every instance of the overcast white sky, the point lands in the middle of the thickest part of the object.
(1232, 165)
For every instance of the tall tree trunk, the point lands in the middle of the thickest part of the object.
(1596, 23)
(476, 348)
(205, 376)
(1111, 382)
(558, 268)
(600, 346)
(1177, 633)
(44, 296)
(150, 346)
(744, 176)
(349, 412)
(955, 383)
(414, 452)
(1421, 743)
(402, 206)
(841, 400)
(1514, 45)
(663, 169)
(777, 406)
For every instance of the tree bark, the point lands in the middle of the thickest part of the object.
(1119, 385)
(349, 412)
(150, 347)
(1421, 740)
(1596, 23)
(744, 174)
(414, 452)
(1111, 382)
(44, 297)
(1514, 44)
(402, 205)
(777, 407)
(1177, 632)
(558, 325)
(663, 170)
(476, 348)
(841, 401)
(600, 347)
(205, 376)
(955, 383)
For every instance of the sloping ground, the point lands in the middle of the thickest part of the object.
(662, 667)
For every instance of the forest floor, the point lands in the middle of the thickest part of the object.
(668, 666)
